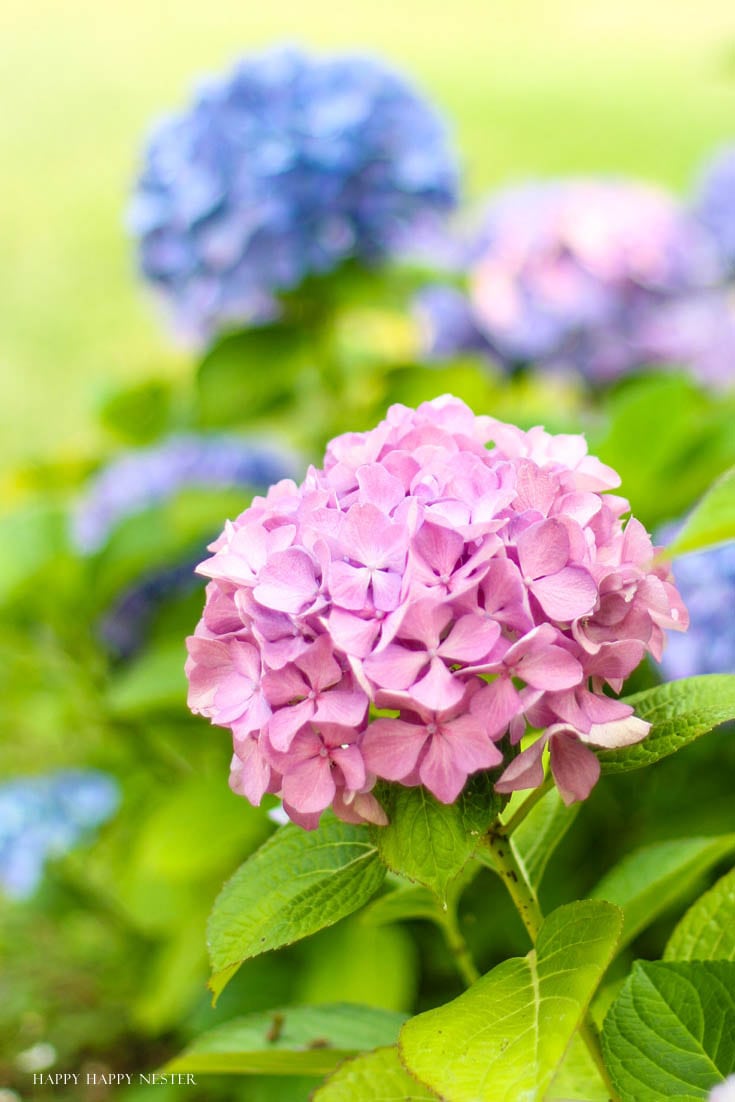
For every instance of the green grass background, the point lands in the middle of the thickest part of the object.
(532, 86)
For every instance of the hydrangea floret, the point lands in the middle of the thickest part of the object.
(715, 202)
(443, 583)
(283, 168)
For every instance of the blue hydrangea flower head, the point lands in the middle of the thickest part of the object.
(46, 816)
(572, 274)
(285, 167)
(706, 581)
(142, 477)
(715, 203)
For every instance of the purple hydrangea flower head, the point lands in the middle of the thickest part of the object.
(143, 477)
(567, 274)
(285, 167)
(467, 576)
(696, 331)
(715, 203)
(706, 580)
(46, 816)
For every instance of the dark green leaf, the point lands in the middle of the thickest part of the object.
(707, 930)
(680, 711)
(506, 1037)
(671, 1031)
(139, 413)
(294, 1040)
(297, 883)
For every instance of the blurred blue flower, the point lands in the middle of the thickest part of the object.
(571, 275)
(125, 625)
(143, 477)
(706, 581)
(285, 167)
(715, 203)
(46, 816)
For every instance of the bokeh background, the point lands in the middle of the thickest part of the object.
(542, 87)
(105, 953)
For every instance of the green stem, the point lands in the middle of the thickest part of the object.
(511, 871)
(458, 947)
(506, 864)
(528, 805)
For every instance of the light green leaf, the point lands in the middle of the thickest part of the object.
(400, 905)
(671, 1031)
(707, 930)
(30, 539)
(649, 881)
(680, 712)
(712, 521)
(378, 1076)
(154, 682)
(504, 1039)
(538, 835)
(577, 1080)
(358, 963)
(295, 1040)
(297, 883)
(429, 842)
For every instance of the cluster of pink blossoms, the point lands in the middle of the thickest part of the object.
(446, 580)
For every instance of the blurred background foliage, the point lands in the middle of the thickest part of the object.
(106, 957)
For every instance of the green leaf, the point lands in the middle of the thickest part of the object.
(378, 1076)
(154, 682)
(713, 519)
(297, 883)
(400, 905)
(429, 842)
(707, 930)
(671, 1031)
(649, 881)
(538, 835)
(680, 711)
(294, 1040)
(577, 1080)
(250, 374)
(506, 1036)
(358, 963)
(30, 539)
(138, 413)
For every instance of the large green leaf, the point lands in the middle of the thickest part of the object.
(402, 904)
(294, 1040)
(378, 1076)
(504, 1039)
(651, 879)
(538, 835)
(707, 930)
(671, 1031)
(680, 712)
(297, 883)
(713, 520)
(429, 842)
(577, 1080)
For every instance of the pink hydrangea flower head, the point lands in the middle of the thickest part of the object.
(442, 582)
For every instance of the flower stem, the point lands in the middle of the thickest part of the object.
(506, 863)
(509, 868)
(528, 804)
(458, 947)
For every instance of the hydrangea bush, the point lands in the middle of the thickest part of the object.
(285, 168)
(600, 276)
(466, 576)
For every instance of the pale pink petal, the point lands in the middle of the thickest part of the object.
(438, 689)
(439, 547)
(350, 761)
(358, 807)
(620, 732)
(566, 595)
(250, 773)
(287, 582)
(390, 747)
(283, 724)
(550, 668)
(440, 772)
(471, 639)
(380, 488)
(344, 707)
(395, 667)
(471, 745)
(386, 590)
(543, 549)
(525, 771)
(348, 585)
(309, 786)
(575, 768)
(352, 634)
